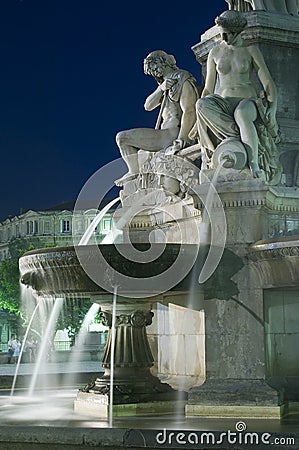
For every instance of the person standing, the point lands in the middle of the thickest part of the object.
(10, 348)
(14, 347)
(29, 347)
(17, 350)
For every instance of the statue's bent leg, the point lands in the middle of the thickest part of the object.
(245, 114)
(129, 154)
(148, 139)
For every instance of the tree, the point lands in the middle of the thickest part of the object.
(9, 286)
(74, 310)
(10, 291)
(10, 295)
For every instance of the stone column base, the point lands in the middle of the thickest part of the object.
(290, 412)
(98, 405)
(233, 398)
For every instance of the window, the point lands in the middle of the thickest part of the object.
(46, 227)
(65, 226)
(107, 225)
(31, 227)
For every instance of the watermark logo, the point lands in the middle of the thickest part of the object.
(240, 426)
(239, 436)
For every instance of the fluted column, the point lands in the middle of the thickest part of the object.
(132, 379)
(131, 345)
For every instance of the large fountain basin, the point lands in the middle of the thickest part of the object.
(54, 272)
(59, 271)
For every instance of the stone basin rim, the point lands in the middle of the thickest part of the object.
(61, 249)
(57, 271)
(276, 243)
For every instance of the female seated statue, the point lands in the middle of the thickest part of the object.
(230, 105)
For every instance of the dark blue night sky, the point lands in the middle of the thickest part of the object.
(71, 77)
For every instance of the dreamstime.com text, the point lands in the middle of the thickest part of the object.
(239, 436)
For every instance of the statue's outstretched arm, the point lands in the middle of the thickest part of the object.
(211, 75)
(264, 75)
(268, 85)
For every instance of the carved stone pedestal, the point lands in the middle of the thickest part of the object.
(234, 398)
(135, 390)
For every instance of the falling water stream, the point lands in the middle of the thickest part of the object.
(22, 348)
(205, 238)
(84, 241)
(217, 239)
(75, 352)
(92, 226)
(58, 303)
(112, 356)
(122, 221)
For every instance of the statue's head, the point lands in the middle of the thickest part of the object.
(231, 21)
(156, 62)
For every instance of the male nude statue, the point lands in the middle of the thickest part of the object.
(177, 94)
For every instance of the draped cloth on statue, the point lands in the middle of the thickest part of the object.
(173, 97)
(215, 121)
(215, 115)
(180, 76)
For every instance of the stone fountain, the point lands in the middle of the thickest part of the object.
(220, 208)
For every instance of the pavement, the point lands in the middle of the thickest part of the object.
(50, 374)
(52, 367)
(51, 424)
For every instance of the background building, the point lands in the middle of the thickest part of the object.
(57, 226)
